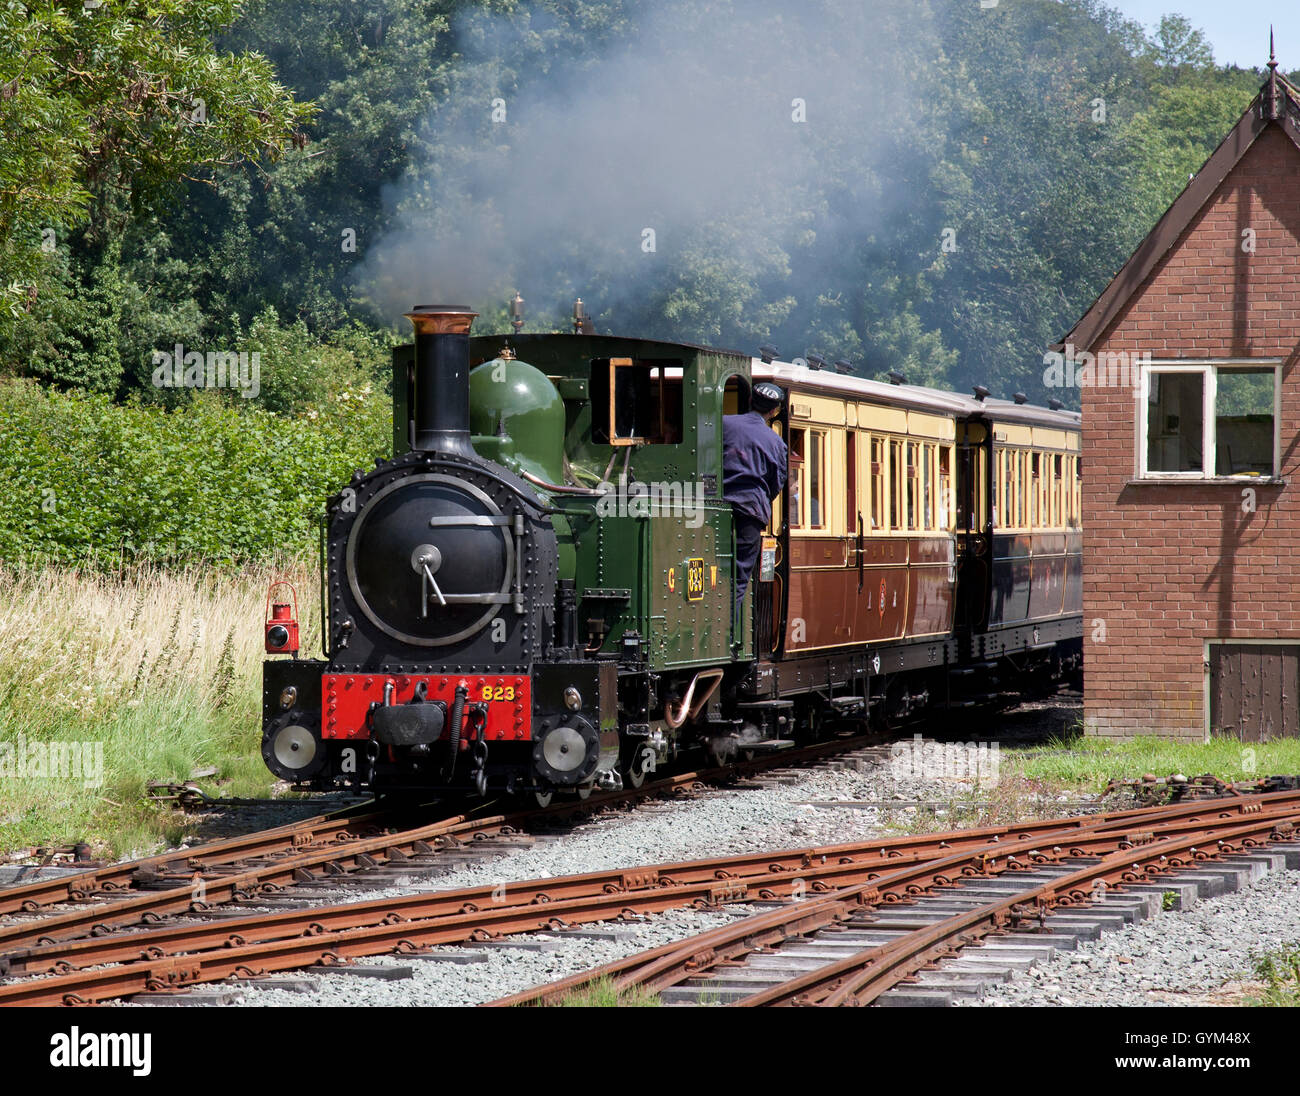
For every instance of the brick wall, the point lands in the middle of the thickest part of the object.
(1167, 566)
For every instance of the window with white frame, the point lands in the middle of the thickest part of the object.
(1208, 420)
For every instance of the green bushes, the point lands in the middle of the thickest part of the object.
(91, 481)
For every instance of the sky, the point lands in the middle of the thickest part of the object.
(1238, 29)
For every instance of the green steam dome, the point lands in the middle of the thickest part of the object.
(516, 406)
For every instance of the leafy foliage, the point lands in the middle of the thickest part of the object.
(105, 109)
(1279, 973)
(967, 181)
(104, 483)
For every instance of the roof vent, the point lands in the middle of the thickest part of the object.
(896, 378)
(1020, 397)
(1055, 405)
(981, 393)
(843, 365)
(768, 354)
(815, 362)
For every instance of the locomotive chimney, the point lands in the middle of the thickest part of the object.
(440, 409)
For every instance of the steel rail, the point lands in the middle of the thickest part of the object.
(235, 955)
(861, 978)
(741, 878)
(811, 863)
(672, 963)
(350, 855)
(29, 897)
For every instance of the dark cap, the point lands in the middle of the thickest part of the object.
(767, 396)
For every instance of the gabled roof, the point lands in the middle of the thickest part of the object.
(1277, 104)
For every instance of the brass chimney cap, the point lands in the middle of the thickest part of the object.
(441, 319)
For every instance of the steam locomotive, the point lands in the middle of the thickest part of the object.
(534, 594)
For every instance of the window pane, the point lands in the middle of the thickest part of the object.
(927, 487)
(851, 482)
(1022, 489)
(1058, 497)
(910, 486)
(816, 498)
(796, 476)
(945, 488)
(1035, 486)
(1176, 422)
(1243, 422)
(895, 473)
(877, 483)
(997, 487)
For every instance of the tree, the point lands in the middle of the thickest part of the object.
(1176, 43)
(104, 109)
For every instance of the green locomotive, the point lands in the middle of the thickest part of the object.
(535, 593)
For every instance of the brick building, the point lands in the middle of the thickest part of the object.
(1191, 518)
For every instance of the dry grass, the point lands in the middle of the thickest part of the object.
(161, 669)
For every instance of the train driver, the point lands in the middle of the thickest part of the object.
(755, 463)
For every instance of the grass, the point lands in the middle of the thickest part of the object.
(1088, 763)
(1278, 973)
(602, 994)
(1040, 781)
(146, 675)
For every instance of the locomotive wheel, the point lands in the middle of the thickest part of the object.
(634, 764)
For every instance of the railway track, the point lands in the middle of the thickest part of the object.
(855, 944)
(353, 845)
(818, 888)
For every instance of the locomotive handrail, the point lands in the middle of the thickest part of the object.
(463, 467)
(471, 519)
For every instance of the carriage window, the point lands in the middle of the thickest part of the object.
(817, 479)
(797, 447)
(877, 483)
(910, 488)
(1035, 489)
(1010, 517)
(1058, 488)
(945, 486)
(895, 484)
(851, 481)
(1076, 490)
(927, 486)
(1023, 484)
(998, 460)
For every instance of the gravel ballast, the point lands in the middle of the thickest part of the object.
(1171, 959)
(1174, 958)
(715, 824)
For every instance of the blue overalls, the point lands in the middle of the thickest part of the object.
(755, 463)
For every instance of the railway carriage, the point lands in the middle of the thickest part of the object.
(535, 592)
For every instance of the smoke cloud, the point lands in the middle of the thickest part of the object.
(700, 172)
